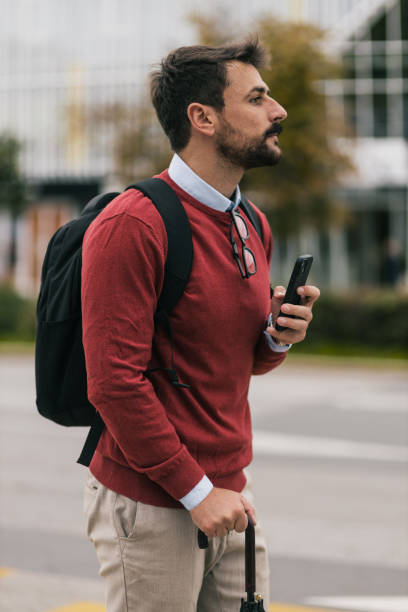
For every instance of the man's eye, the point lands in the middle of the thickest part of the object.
(256, 100)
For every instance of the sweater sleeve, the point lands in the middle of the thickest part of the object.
(266, 358)
(122, 276)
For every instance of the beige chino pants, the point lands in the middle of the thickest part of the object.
(150, 560)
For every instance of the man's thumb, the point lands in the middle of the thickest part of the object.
(249, 509)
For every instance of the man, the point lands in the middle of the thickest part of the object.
(171, 459)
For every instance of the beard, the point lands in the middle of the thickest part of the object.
(246, 152)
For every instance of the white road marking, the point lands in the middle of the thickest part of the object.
(368, 604)
(269, 443)
(371, 403)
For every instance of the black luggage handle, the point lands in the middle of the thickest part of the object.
(250, 572)
(253, 602)
(202, 539)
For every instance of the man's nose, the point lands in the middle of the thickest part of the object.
(277, 112)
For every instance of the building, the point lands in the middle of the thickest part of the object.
(58, 60)
(373, 40)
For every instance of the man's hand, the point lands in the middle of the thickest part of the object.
(297, 328)
(222, 511)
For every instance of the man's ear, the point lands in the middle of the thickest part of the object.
(202, 118)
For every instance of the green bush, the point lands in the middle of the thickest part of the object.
(367, 323)
(17, 315)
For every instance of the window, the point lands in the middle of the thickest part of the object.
(404, 19)
(350, 110)
(379, 66)
(395, 115)
(363, 65)
(404, 60)
(364, 116)
(378, 30)
(380, 115)
(349, 66)
(394, 65)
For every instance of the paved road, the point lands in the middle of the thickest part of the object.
(330, 478)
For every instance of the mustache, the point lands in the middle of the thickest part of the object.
(275, 129)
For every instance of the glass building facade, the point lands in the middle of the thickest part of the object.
(59, 59)
(373, 95)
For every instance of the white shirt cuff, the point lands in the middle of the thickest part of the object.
(274, 346)
(197, 494)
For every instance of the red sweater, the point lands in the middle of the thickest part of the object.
(159, 439)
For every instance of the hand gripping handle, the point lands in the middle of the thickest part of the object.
(250, 567)
(249, 539)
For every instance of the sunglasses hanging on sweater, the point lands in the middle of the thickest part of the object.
(246, 261)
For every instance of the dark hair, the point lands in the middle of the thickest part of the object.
(196, 74)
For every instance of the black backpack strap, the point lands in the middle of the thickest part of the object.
(180, 243)
(177, 272)
(91, 441)
(252, 215)
(179, 257)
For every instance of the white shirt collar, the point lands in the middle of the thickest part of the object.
(190, 182)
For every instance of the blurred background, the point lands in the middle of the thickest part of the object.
(75, 120)
(330, 468)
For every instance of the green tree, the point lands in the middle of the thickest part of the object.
(139, 147)
(300, 190)
(13, 192)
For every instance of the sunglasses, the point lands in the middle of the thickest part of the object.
(246, 262)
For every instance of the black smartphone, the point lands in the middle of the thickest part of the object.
(298, 278)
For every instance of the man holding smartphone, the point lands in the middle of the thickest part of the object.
(171, 459)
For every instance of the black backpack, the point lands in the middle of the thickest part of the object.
(60, 371)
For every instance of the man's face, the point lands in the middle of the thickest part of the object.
(247, 133)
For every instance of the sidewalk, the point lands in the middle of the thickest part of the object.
(330, 478)
(23, 591)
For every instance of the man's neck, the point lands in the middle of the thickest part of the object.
(218, 173)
